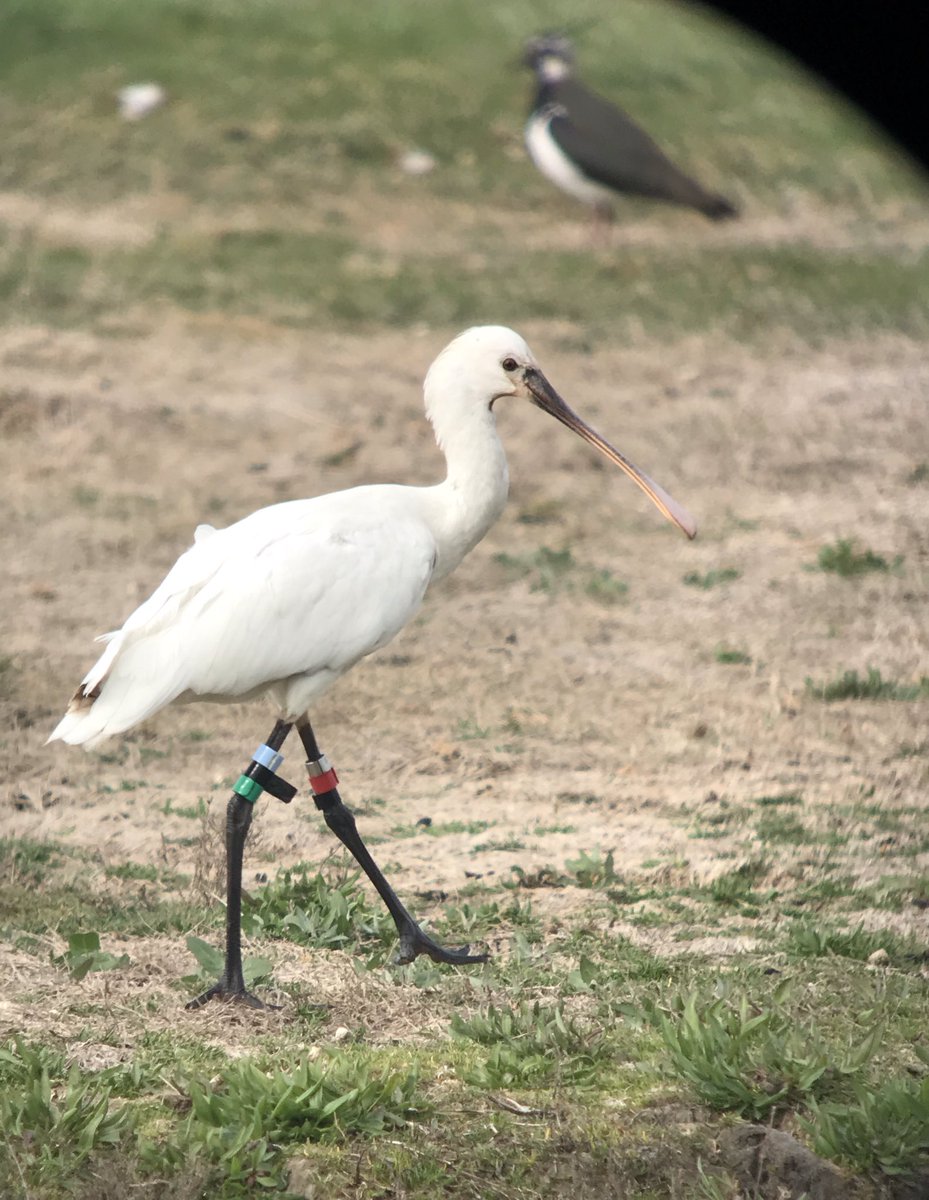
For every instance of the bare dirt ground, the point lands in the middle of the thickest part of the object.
(530, 710)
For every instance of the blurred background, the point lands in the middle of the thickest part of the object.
(280, 175)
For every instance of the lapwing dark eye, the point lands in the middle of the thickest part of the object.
(509, 364)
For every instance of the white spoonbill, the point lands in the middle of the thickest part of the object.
(285, 601)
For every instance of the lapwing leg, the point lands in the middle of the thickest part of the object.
(602, 227)
(231, 984)
(413, 941)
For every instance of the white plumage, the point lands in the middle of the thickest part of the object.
(288, 599)
(555, 165)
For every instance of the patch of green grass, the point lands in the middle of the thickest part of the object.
(885, 1127)
(439, 828)
(592, 870)
(894, 892)
(149, 754)
(475, 920)
(605, 588)
(251, 273)
(189, 811)
(314, 1102)
(76, 906)
(6, 674)
(821, 890)
(84, 955)
(468, 730)
(779, 800)
(852, 686)
(737, 887)
(541, 512)
(725, 654)
(807, 940)
(540, 877)
(130, 870)
(325, 910)
(750, 1059)
(548, 568)
(718, 824)
(609, 963)
(784, 828)
(509, 843)
(53, 1117)
(528, 1045)
(85, 496)
(844, 559)
(27, 860)
(913, 749)
(264, 273)
(712, 578)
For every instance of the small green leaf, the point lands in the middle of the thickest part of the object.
(209, 958)
(83, 943)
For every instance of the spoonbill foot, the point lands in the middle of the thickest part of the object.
(341, 821)
(414, 942)
(234, 994)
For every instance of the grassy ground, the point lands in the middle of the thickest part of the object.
(680, 793)
(285, 126)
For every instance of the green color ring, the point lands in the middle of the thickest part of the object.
(247, 788)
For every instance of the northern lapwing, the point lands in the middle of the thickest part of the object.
(591, 149)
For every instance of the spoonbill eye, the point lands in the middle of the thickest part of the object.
(509, 364)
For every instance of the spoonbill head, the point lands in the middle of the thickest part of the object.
(491, 362)
(285, 601)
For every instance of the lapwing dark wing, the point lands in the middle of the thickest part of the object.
(591, 149)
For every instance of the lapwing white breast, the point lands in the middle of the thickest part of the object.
(593, 150)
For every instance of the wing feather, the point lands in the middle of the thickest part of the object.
(297, 589)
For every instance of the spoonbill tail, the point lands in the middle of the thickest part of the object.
(285, 601)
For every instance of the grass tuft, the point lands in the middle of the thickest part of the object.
(805, 940)
(326, 910)
(712, 578)
(724, 654)
(753, 1059)
(852, 686)
(529, 1044)
(53, 1116)
(885, 1127)
(843, 559)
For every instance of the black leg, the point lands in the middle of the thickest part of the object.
(340, 820)
(231, 984)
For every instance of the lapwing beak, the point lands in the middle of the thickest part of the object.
(544, 395)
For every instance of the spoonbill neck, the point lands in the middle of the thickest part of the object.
(473, 494)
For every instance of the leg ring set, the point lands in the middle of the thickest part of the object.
(261, 776)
